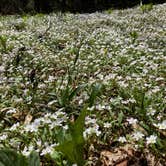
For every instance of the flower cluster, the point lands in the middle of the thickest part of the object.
(52, 66)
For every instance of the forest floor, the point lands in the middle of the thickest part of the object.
(85, 88)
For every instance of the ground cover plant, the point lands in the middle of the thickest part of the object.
(84, 89)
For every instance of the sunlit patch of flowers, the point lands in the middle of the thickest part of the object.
(50, 64)
(39, 133)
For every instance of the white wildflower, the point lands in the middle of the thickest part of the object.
(156, 89)
(55, 124)
(74, 164)
(92, 130)
(161, 126)
(51, 103)
(132, 100)
(60, 113)
(132, 120)
(47, 115)
(151, 111)
(81, 101)
(151, 139)
(47, 150)
(90, 108)
(39, 143)
(51, 78)
(14, 127)
(66, 127)
(122, 139)
(33, 127)
(26, 151)
(123, 84)
(11, 111)
(100, 107)
(3, 137)
(42, 86)
(160, 79)
(107, 107)
(18, 100)
(107, 125)
(2, 69)
(89, 120)
(138, 135)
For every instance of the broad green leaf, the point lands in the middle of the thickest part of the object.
(34, 159)
(12, 158)
(75, 91)
(120, 118)
(96, 91)
(72, 147)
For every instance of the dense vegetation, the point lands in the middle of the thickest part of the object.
(20, 6)
(85, 89)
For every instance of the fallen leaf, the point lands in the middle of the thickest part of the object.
(110, 158)
(118, 157)
(128, 149)
(28, 119)
(123, 163)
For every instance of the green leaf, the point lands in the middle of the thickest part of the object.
(12, 158)
(76, 51)
(68, 94)
(58, 157)
(34, 159)
(96, 91)
(75, 91)
(120, 118)
(67, 148)
(73, 147)
(3, 42)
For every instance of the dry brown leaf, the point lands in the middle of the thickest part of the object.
(162, 132)
(152, 159)
(128, 149)
(28, 119)
(18, 116)
(118, 157)
(110, 158)
(123, 163)
(106, 158)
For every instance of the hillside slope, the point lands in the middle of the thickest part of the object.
(52, 66)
